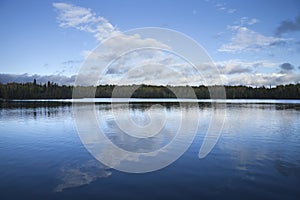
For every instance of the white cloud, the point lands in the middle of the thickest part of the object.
(223, 7)
(149, 66)
(249, 64)
(230, 11)
(246, 21)
(166, 70)
(115, 43)
(220, 6)
(234, 69)
(245, 39)
(123, 43)
(252, 21)
(255, 73)
(260, 79)
(233, 72)
(83, 19)
(154, 67)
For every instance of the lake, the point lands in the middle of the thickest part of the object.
(46, 154)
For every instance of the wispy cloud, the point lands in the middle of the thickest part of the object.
(231, 10)
(83, 19)
(247, 21)
(289, 26)
(245, 39)
(72, 62)
(222, 7)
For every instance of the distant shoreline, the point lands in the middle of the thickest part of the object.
(157, 100)
(15, 91)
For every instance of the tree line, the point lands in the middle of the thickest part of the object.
(52, 90)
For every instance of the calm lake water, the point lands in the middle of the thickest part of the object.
(256, 157)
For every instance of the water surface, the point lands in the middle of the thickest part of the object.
(257, 155)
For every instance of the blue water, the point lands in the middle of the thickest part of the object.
(256, 157)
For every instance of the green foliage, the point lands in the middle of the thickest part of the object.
(54, 91)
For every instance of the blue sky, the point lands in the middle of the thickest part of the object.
(251, 42)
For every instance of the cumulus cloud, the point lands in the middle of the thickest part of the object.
(122, 54)
(155, 67)
(115, 43)
(149, 66)
(236, 66)
(113, 47)
(83, 19)
(245, 39)
(259, 79)
(289, 26)
(237, 72)
(146, 63)
(233, 72)
(25, 78)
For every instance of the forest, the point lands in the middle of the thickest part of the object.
(51, 90)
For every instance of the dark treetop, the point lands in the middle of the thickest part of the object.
(55, 91)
